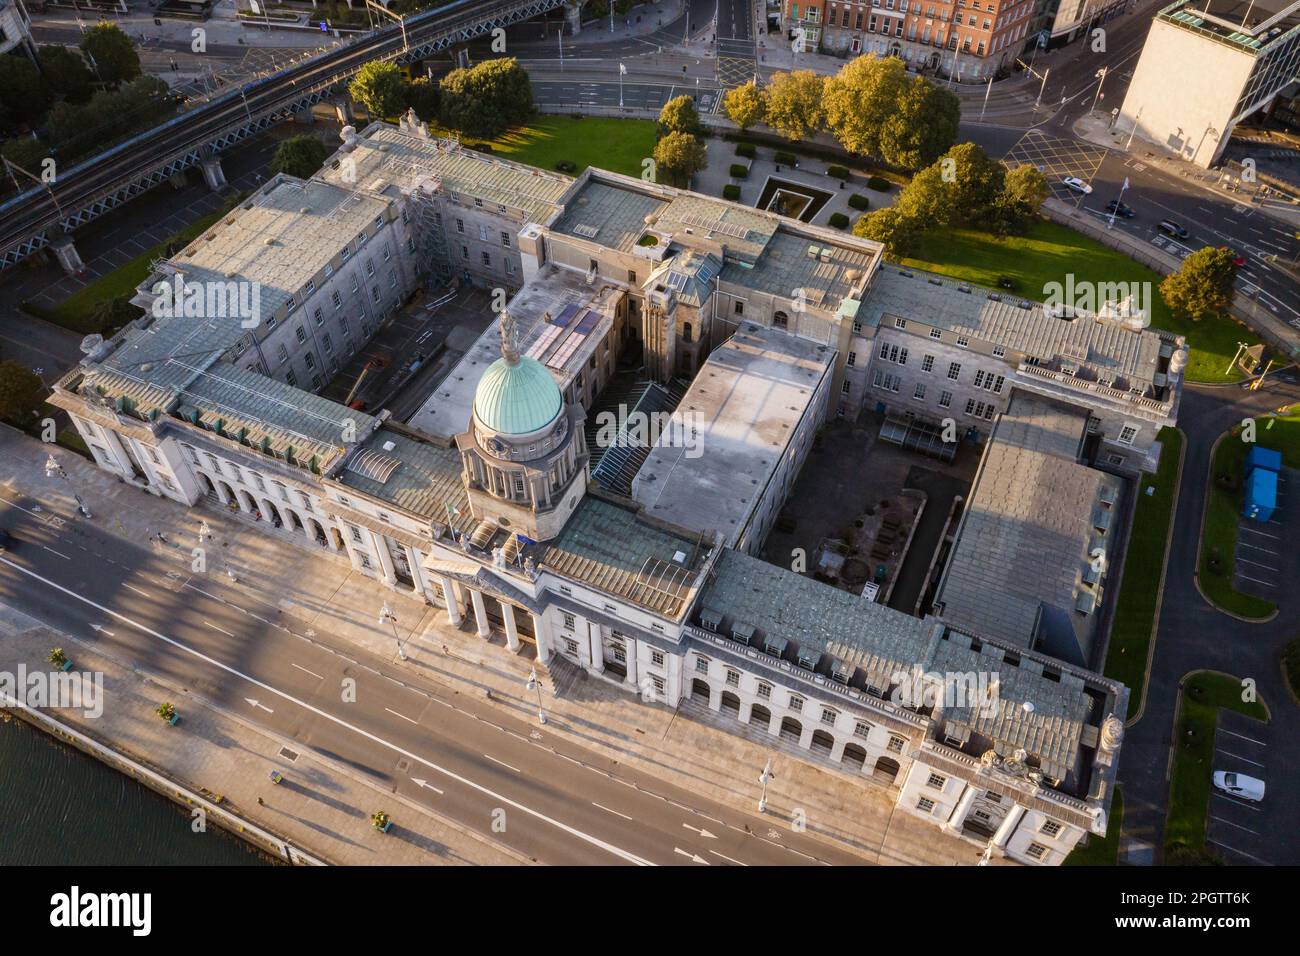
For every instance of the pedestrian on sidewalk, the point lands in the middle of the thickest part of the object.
(261, 802)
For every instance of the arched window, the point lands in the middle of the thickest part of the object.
(686, 333)
(781, 321)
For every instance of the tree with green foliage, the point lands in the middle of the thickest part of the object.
(975, 183)
(745, 105)
(893, 229)
(21, 393)
(422, 96)
(923, 126)
(79, 129)
(379, 88)
(1024, 191)
(679, 156)
(67, 73)
(874, 108)
(486, 99)
(927, 198)
(300, 156)
(23, 90)
(679, 115)
(111, 53)
(794, 104)
(1202, 286)
(27, 153)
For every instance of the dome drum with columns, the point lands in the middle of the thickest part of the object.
(525, 454)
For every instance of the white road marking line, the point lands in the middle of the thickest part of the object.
(373, 738)
(1242, 736)
(1264, 533)
(136, 590)
(221, 629)
(403, 716)
(728, 859)
(1254, 547)
(52, 551)
(1235, 850)
(1247, 577)
(1237, 756)
(305, 671)
(502, 763)
(1231, 824)
(608, 810)
(1266, 567)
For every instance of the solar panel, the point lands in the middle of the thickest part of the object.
(589, 322)
(566, 316)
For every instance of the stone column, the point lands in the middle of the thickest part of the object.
(480, 614)
(805, 738)
(543, 639)
(453, 603)
(512, 633)
(417, 572)
(963, 807)
(385, 559)
(65, 253)
(573, 18)
(1008, 827)
(595, 647)
(837, 750)
(213, 175)
(630, 645)
(774, 725)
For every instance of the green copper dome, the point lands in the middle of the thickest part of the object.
(517, 398)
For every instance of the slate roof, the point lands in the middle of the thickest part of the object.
(788, 262)
(426, 479)
(1028, 531)
(939, 302)
(610, 214)
(610, 547)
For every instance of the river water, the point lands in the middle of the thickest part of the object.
(59, 806)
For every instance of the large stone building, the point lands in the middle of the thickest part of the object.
(1205, 67)
(484, 503)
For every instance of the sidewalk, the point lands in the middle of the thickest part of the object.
(322, 806)
(320, 593)
(640, 21)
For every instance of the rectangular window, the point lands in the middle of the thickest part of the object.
(487, 259)
(319, 315)
(657, 658)
(765, 691)
(927, 363)
(1127, 434)
(979, 378)
(900, 323)
(701, 665)
(733, 678)
(936, 781)
(336, 299)
(1035, 851)
(796, 703)
(300, 334)
(945, 399)
(954, 370)
(999, 351)
(861, 730)
(828, 715)
(962, 342)
(568, 619)
(846, 389)
(740, 307)
(970, 406)
(895, 745)
(460, 225)
(505, 239)
(936, 333)
(1050, 828)
(925, 804)
(998, 383)
(853, 359)
(918, 393)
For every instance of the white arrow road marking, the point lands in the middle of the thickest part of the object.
(100, 629)
(693, 856)
(704, 833)
(259, 706)
(373, 738)
(426, 785)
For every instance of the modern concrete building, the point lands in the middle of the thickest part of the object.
(483, 506)
(16, 29)
(1205, 67)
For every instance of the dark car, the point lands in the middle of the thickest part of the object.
(1171, 228)
(1120, 209)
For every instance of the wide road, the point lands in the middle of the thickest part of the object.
(201, 635)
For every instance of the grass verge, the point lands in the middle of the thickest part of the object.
(1103, 852)
(619, 145)
(1223, 508)
(1203, 693)
(1047, 254)
(1139, 590)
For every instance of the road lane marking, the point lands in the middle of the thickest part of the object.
(608, 810)
(727, 858)
(1238, 756)
(305, 671)
(502, 763)
(1242, 736)
(588, 838)
(1231, 824)
(221, 629)
(52, 551)
(691, 856)
(136, 590)
(403, 716)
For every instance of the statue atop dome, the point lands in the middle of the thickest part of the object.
(509, 338)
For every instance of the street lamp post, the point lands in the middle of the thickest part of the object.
(987, 90)
(1236, 355)
(386, 614)
(1101, 76)
(1042, 86)
(765, 778)
(1135, 127)
(55, 470)
(535, 685)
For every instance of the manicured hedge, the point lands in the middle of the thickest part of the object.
(739, 171)
(838, 172)
(731, 191)
(786, 158)
(878, 183)
(838, 220)
(859, 201)
(747, 150)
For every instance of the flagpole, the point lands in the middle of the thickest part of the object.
(1115, 211)
(621, 70)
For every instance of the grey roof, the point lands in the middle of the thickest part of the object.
(688, 273)
(826, 272)
(731, 430)
(997, 318)
(1029, 527)
(610, 214)
(417, 476)
(386, 156)
(743, 231)
(889, 646)
(610, 547)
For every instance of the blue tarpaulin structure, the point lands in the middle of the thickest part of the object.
(1265, 458)
(1261, 495)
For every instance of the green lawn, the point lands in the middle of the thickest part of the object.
(1051, 251)
(1223, 507)
(619, 145)
(1189, 789)
(1103, 852)
(1139, 590)
(77, 312)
